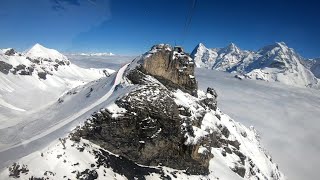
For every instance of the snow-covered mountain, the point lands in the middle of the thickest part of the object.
(37, 78)
(147, 121)
(275, 62)
(40, 53)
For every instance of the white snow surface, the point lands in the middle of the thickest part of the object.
(42, 127)
(68, 108)
(286, 117)
(61, 160)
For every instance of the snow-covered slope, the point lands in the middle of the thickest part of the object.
(138, 126)
(275, 62)
(32, 81)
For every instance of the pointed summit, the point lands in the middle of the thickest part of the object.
(200, 46)
(37, 45)
(40, 52)
(231, 48)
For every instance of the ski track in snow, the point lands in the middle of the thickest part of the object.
(9, 154)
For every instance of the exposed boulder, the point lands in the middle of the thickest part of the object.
(16, 169)
(21, 69)
(5, 67)
(10, 52)
(211, 98)
(42, 75)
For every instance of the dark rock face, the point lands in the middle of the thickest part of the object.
(241, 171)
(124, 166)
(10, 52)
(149, 132)
(36, 61)
(16, 169)
(42, 75)
(170, 65)
(36, 178)
(87, 175)
(5, 67)
(211, 99)
(21, 69)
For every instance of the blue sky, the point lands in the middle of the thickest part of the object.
(132, 26)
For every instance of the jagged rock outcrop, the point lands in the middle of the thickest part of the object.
(211, 98)
(10, 52)
(149, 131)
(171, 66)
(5, 67)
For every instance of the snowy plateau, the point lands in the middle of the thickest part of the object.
(154, 116)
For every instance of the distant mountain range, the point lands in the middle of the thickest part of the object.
(276, 62)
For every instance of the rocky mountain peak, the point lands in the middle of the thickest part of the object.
(8, 51)
(37, 45)
(200, 45)
(231, 48)
(171, 66)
